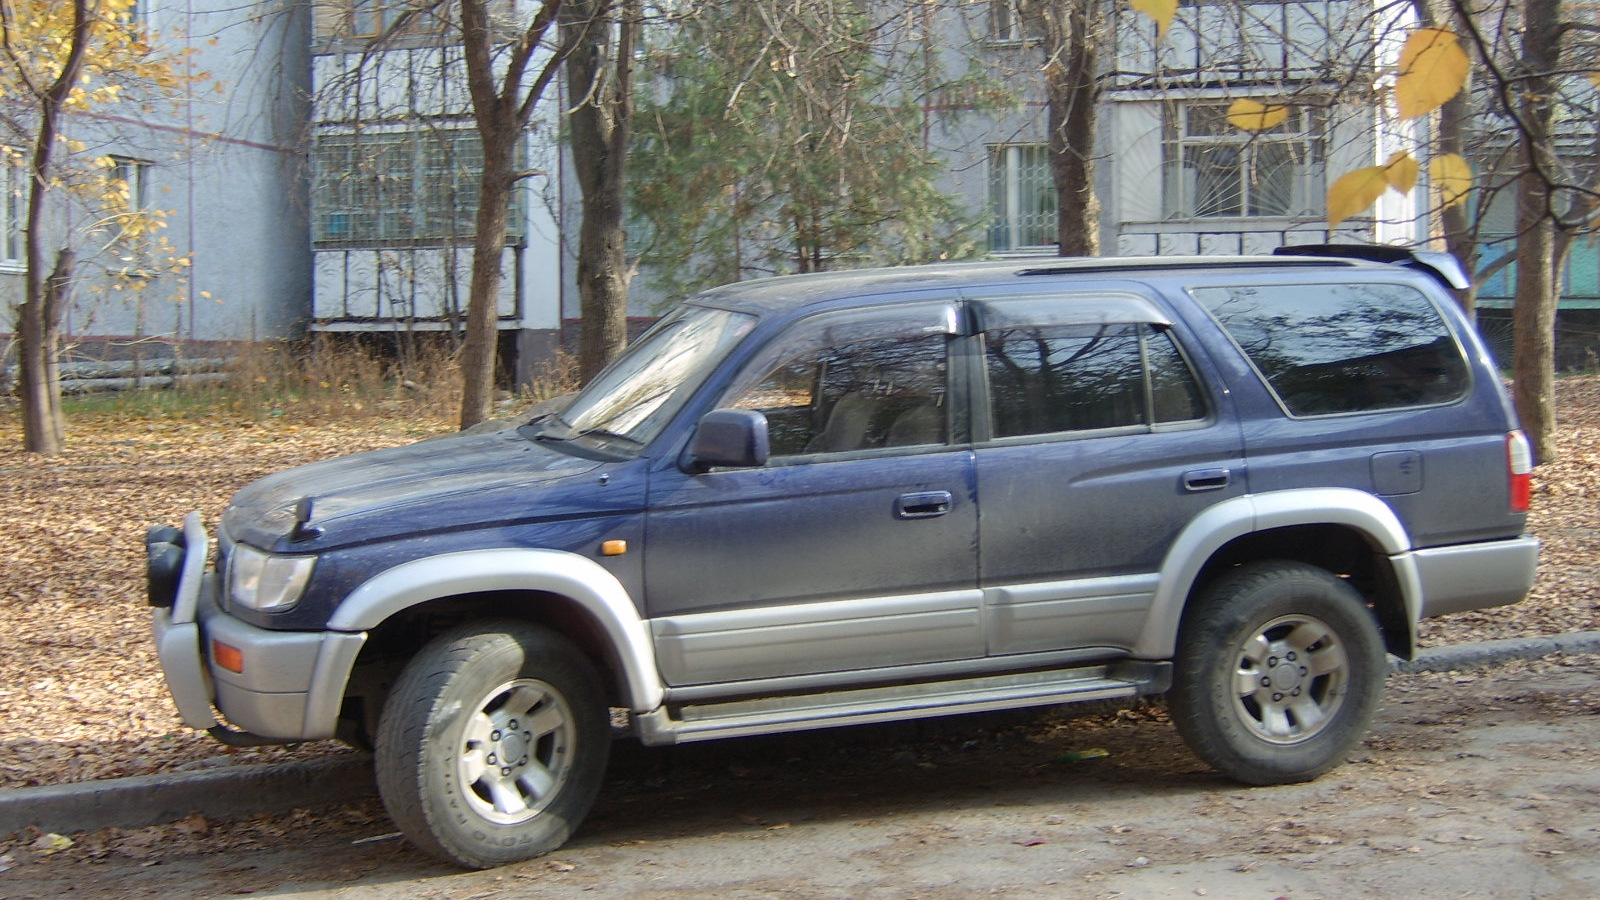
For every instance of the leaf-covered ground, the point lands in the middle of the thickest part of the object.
(81, 695)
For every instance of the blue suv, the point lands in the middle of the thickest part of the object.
(823, 500)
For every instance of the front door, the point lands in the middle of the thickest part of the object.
(855, 547)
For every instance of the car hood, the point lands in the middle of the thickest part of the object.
(443, 483)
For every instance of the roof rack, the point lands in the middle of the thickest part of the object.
(1444, 268)
(1076, 265)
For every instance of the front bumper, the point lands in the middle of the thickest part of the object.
(291, 683)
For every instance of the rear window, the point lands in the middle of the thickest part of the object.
(1326, 349)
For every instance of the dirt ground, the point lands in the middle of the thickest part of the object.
(1486, 784)
(1482, 785)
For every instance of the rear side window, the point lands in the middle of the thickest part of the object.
(1326, 349)
(1064, 378)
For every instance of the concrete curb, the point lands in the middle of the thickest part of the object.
(229, 792)
(222, 793)
(1485, 654)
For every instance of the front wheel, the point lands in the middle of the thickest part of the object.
(1280, 667)
(492, 744)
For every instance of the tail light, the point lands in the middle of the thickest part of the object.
(1519, 470)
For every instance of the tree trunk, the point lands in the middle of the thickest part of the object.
(1072, 88)
(1455, 223)
(39, 313)
(39, 382)
(600, 88)
(1538, 278)
(501, 111)
(479, 351)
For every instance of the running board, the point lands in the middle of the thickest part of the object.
(739, 718)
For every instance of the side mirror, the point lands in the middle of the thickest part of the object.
(736, 438)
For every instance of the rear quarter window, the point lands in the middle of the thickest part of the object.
(1327, 349)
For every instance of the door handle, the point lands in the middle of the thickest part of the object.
(923, 505)
(1206, 479)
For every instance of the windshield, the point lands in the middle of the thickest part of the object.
(631, 401)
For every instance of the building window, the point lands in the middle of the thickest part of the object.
(131, 176)
(376, 18)
(1010, 22)
(400, 188)
(1022, 198)
(1213, 169)
(14, 182)
(129, 244)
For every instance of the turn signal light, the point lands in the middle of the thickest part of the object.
(228, 657)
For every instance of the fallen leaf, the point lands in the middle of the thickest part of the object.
(48, 844)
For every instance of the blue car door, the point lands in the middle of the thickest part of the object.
(855, 547)
(1100, 444)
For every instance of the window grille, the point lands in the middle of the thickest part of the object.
(1022, 197)
(400, 189)
(1214, 169)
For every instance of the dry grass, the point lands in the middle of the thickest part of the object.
(327, 379)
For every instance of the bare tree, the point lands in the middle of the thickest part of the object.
(1072, 33)
(1539, 261)
(603, 35)
(1541, 132)
(506, 82)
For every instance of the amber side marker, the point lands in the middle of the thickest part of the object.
(228, 657)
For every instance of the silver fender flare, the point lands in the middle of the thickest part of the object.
(571, 576)
(1239, 516)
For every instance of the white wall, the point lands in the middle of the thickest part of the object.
(225, 165)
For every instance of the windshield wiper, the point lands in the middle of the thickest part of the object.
(547, 428)
(606, 434)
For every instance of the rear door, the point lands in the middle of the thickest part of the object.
(856, 546)
(1099, 446)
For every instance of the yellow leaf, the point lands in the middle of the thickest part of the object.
(52, 843)
(1252, 115)
(1401, 172)
(1433, 68)
(1354, 192)
(1594, 78)
(1452, 176)
(1162, 11)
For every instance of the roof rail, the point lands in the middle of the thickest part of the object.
(1444, 268)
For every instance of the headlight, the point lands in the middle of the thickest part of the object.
(264, 581)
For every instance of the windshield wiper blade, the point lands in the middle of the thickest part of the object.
(606, 434)
(547, 428)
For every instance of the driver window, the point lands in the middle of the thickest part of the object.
(865, 394)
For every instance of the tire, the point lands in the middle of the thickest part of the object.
(492, 744)
(1280, 667)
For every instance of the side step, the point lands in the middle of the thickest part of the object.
(862, 706)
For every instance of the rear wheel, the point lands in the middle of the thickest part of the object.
(492, 744)
(1279, 669)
